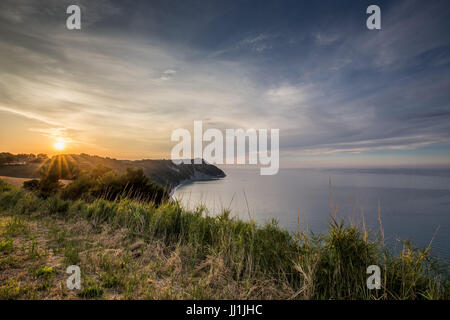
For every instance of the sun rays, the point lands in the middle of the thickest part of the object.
(61, 164)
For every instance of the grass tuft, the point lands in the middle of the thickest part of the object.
(6, 246)
(45, 272)
(91, 291)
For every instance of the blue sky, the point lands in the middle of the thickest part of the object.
(341, 95)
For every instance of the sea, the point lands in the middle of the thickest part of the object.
(406, 204)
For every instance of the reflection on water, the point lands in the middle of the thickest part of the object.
(414, 205)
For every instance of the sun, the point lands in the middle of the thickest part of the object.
(59, 145)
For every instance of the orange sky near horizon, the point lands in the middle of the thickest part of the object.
(338, 96)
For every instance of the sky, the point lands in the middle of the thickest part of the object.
(341, 95)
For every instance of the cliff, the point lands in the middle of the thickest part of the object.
(164, 172)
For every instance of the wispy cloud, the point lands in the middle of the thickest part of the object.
(127, 80)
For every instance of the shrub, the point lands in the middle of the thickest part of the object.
(132, 184)
(28, 203)
(99, 170)
(31, 185)
(49, 185)
(343, 255)
(78, 188)
(9, 199)
(55, 205)
(4, 186)
(104, 183)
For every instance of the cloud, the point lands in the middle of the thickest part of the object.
(29, 115)
(326, 39)
(335, 89)
(287, 95)
(258, 43)
(168, 74)
(107, 86)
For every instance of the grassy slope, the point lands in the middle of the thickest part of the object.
(133, 250)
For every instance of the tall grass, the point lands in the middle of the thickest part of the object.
(328, 266)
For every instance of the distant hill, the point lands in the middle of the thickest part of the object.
(164, 172)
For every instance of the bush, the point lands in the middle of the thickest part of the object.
(46, 187)
(55, 205)
(342, 256)
(31, 185)
(4, 186)
(49, 185)
(133, 184)
(78, 188)
(104, 183)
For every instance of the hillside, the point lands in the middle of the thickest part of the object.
(163, 172)
(128, 249)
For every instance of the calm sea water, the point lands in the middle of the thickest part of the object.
(415, 204)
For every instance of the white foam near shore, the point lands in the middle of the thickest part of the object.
(172, 192)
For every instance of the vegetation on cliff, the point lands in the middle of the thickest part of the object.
(135, 249)
(70, 166)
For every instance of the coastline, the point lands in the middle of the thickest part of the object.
(172, 192)
(191, 180)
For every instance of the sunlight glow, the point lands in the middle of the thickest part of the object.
(60, 145)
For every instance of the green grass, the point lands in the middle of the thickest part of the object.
(12, 290)
(8, 262)
(6, 246)
(16, 227)
(71, 255)
(91, 291)
(113, 273)
(328, 266)
(45, 272)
